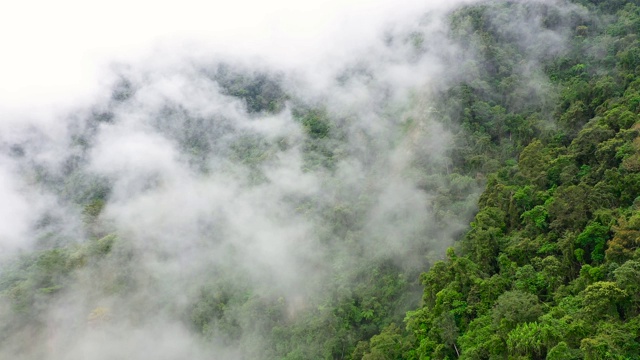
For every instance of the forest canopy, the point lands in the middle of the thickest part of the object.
(466, 187)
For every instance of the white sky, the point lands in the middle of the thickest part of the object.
(57, 52)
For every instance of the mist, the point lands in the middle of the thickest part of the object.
(268, 156)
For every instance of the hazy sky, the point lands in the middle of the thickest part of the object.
(56, 52)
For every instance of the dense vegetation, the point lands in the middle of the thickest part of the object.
(549, 267)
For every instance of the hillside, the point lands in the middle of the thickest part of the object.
(464, 186)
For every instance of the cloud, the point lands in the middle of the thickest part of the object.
(15, 210)
(54, 55)
(128, 120)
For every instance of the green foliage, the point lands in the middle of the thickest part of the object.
(603, 298)
(316, 124)
(36, 279)
(562, 352)
(324, 142)
(536, 217)
(592, 242)
(526, 339)
(513, 308)
(261, 92)
(388, 345)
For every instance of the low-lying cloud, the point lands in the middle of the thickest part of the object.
(132, 131)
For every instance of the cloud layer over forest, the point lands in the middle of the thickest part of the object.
(281, 148)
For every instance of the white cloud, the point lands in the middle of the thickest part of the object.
(56, 53)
